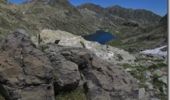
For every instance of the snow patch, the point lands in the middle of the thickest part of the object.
(156, 52)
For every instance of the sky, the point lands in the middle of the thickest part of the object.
(157, 6)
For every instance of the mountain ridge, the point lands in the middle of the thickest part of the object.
(62, 15)
(117, 10)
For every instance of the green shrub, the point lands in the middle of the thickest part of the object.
(82, 43)
(157, 66)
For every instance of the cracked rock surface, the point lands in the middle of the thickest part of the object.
(25, 71)
(102, 80)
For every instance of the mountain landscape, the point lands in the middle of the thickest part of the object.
(130, 25)
(45, 55)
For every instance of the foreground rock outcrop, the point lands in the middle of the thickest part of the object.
(25, 71)
(54, 70)
(27, 74)
(101, 80)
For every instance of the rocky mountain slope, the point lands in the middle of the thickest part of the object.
(46, 58)
(57, 70)
(37, 15)
(105, 52)
(139, 16)
(149, 69)
(131, 26)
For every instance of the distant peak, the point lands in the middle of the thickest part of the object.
(164, 20)
(117, 6)
(94, 7)
(90, 5)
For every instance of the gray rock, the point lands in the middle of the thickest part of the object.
(164, 79)
(155, 99)
(158, 72)
(141, 93)
(103, 80)
(25, 72)
(96, 93)
(149, 85)
(105, 52)
(148, 74)
(66, 73)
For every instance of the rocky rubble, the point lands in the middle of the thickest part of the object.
(151, 73)
(105, 52)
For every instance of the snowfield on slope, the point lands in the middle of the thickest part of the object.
(159, 52)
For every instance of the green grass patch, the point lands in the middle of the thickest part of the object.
(138, 73)
(1, 98)
(157, 66)
(159, 85)
(115, 43)
(77, 94)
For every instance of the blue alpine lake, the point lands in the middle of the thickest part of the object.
(101, 37)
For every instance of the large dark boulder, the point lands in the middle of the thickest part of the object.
(66, 73)
(25, 71)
